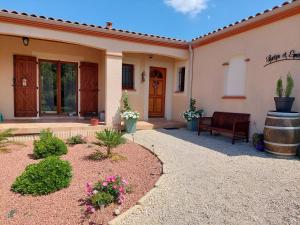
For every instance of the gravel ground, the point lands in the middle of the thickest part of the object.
(209, 181)
(141, 169)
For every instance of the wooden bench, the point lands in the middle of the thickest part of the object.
(236, 124)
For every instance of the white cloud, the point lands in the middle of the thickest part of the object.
(191, 7)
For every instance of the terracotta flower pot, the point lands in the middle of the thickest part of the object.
(94, 121)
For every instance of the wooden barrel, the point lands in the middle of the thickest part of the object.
(282, 133)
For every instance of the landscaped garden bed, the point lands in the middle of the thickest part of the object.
(137, 166)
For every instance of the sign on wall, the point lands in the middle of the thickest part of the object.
(289, 55)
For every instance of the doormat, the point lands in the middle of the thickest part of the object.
(172, 128)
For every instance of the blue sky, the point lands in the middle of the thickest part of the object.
(183, 19)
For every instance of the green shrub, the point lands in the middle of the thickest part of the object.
(102, 198)
(109, 138)
(48, 145)
(49, 175)
(76, 140)
(45, 134)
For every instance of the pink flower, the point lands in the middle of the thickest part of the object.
(90, 208)
(88, 188)
(104, 183)
(111, 179)
(121, 190)
(115, 187)
(121, 199)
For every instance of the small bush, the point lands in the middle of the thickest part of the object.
(76, 140)
(48, 145)
(49, 175)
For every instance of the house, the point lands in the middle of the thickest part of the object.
(50, 67)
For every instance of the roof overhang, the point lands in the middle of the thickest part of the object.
(66, 26)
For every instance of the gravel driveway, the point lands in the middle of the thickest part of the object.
(209, 181)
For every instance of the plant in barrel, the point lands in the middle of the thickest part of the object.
(284, 101)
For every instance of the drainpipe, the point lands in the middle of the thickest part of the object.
(191, 67)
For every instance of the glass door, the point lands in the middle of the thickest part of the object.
(68, 88)
(48, 87)
(58, 88)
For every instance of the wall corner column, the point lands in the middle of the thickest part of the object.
(113, 88)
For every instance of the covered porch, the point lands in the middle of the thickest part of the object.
(57, 81)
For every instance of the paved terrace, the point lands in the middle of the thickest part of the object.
(209, 181)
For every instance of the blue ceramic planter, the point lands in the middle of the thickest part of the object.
(192, 125)
(130, 125)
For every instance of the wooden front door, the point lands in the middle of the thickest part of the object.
(25, 86)
(88, 88)
(157, 89)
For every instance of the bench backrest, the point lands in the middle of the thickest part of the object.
(226, 119)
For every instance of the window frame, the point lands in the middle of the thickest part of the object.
(133, 77)
(180, 88)
(229, 92)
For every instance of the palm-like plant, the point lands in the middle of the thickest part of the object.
(109, 138)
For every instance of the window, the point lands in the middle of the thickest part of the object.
(127, 77)
(181, 79)
(235, 77)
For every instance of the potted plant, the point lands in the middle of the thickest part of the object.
(258, 141)
(192, 115)
(284, 103)
(94, 121)
(129, 116)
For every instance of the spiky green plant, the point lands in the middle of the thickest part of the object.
(4, 135)
(279, 87)
(193, 104)
(289, 85)
(126, 105)
(109, 138)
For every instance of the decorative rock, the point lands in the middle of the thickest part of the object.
(117, 211)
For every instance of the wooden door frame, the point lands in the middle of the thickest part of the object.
(58, 63)
(164, 90)
(14, 81)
